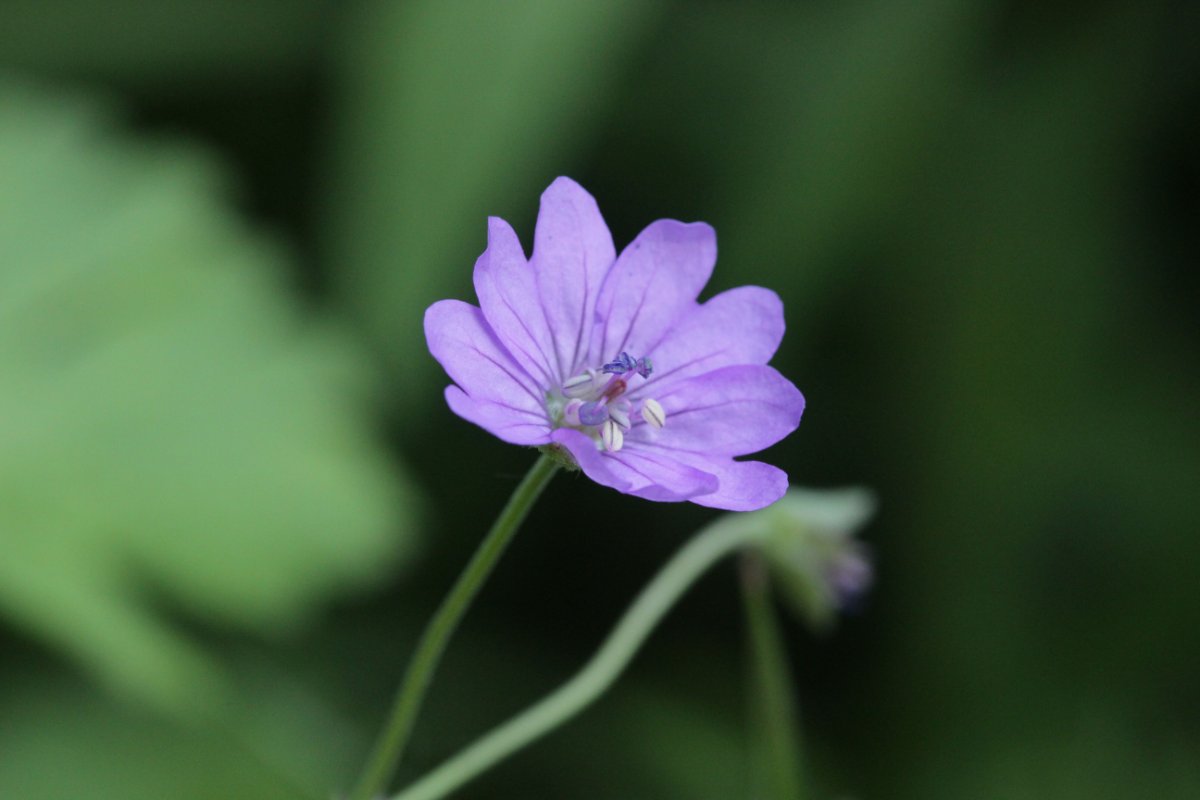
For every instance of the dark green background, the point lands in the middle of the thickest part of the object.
(982, 218)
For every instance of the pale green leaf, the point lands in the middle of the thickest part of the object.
(61, 741)
(173, 429)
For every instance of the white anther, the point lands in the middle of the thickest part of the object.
(578, 386)
(619, 412)
(571, 412)
(610, 434)
(652, 412)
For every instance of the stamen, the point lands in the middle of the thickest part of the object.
(571, 412)
(578, 386)
(619, 412)
(594, 399)
(611, 436)
(623, 363)
(653, 413)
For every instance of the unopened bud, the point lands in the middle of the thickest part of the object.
(818, 563)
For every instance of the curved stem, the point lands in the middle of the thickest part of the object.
(390, 747)
(777, 735)
(600, 673)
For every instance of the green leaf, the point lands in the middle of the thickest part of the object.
(174, 431)
(453, 112)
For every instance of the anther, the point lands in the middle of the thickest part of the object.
(578, 386)
(619, 366)
(619, 412)
(571, 412)
(652, 412)
(625, 363)
(611, 436)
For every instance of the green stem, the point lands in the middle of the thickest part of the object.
(390, 747)
(598, 675)
(777, 734)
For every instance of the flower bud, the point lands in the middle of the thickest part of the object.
(819, 565)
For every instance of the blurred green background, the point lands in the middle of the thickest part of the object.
(230, 490)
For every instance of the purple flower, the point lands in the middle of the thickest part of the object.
(612, 359)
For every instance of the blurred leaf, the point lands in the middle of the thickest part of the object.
(166, 44)
(60, 741)
(453, 112)
(171, 430)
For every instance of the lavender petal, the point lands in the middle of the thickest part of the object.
(740, 326)
(503, 422)
(508, 295)
(460, 339)
(654, 281)
(731, 411)
(572, 252)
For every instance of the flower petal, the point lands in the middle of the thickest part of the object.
(730, 411)
(655, 280)
(502, 421)
(572, 252)
(744, 485)
(508, 295)
(652, 476)
(460, 339)
(660, 476)
(590, 460)
(740, 326)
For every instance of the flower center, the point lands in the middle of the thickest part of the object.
(593, 402)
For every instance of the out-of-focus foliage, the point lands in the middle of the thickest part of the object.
(164, 45)
(117, 751)
(172, 428)
(980, 214)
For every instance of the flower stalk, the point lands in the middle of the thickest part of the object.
(389, 748)
(680, 573)
(778, 753)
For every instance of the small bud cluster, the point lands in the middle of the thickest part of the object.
(818, 562)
